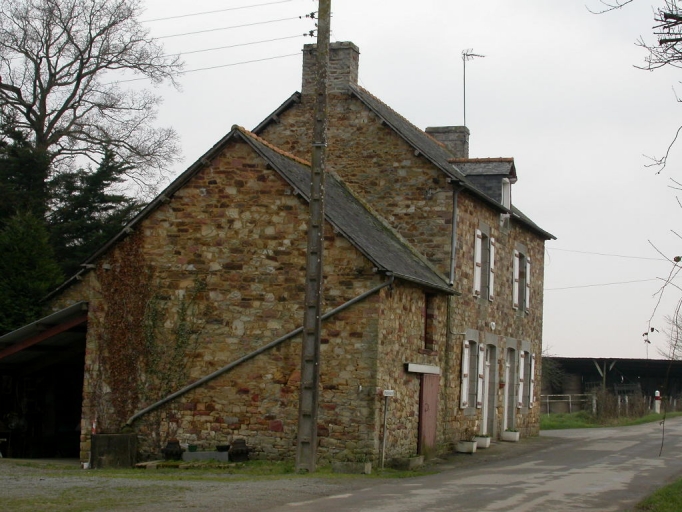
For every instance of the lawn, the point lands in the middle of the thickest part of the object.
(584, 419)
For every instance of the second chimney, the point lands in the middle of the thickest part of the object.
(455, 138)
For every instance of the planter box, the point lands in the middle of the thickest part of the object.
(511, 437)
(354, 468)
(482, 442)
(408, 463)
(466, 447)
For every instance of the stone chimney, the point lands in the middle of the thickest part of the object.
(455, 138)
(344, 58)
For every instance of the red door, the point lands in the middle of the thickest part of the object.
(428, 409)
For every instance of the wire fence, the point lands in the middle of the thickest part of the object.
(605, 403)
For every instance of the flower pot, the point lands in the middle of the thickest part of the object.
(511, 437)
(482, 442)
(466, 447)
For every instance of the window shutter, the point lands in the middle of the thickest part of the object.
(491, 279)
(531, 398)
(478, 256)
(515, 284)
(481, 374)
(519, 396)
(464, 394)
(527, 305)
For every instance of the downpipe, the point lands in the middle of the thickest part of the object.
(253, 354)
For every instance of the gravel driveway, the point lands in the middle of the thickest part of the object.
(58, 485)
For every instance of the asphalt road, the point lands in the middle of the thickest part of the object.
(588, 469)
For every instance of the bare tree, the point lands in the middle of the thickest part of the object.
(667, 51)
(59, 65)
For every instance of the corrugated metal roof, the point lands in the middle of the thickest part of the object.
(50, 336)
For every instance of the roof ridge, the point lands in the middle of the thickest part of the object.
(387, 225)
(399, 114)
(460, 160)
(276, 149)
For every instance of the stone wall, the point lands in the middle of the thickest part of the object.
(408, 191)
(238, 227)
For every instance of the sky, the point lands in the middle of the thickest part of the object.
(558, 90)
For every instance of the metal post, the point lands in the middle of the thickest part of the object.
(383, 437)
(306, 449)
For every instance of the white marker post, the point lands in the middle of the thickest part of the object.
(657, 402)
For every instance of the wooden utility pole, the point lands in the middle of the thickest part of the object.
(306, 449)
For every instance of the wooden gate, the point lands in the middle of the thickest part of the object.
(428, 412)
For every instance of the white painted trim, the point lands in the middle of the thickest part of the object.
(423, 368)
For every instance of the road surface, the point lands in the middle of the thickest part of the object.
(587, 469)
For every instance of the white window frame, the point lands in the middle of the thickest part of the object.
(515, 282)
(481, 375)
(491, 278)
(520, 373)
(478, 262)
(531, 397)
(464, 391)
(527, 295)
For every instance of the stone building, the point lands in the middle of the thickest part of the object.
(433, 288)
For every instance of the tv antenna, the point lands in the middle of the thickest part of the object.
(467, 55)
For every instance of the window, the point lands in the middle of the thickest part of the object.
(522, 373)
(484, 265)
(473, 367)
(526, 379)
(429, 315)
(521, 284)
(506, 192)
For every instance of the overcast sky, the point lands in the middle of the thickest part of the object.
(557, 90)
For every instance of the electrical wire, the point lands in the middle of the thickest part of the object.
(231, 27)
(216, 67)
(236, 45)
(607, 254)
(599, 285)
(213, 12)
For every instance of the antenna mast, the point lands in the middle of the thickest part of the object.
(467, 55)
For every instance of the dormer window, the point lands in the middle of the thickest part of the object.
(506, 193)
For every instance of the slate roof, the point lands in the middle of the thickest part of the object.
(364, 229)
(370, 234)
(486, 166)
(433, 150)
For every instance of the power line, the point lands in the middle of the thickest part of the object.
(216, 67)
(607, 254)
(213, 12)
(237, 45)
(599, 285)
(234, 26)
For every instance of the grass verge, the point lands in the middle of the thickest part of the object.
(584, 419)
(666, 499)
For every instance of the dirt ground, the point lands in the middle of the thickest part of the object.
(54, 485)
(61, 485)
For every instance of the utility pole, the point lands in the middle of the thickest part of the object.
(467, 55)
(306, 448)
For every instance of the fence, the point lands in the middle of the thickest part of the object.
(615, 405)
(565, 403)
